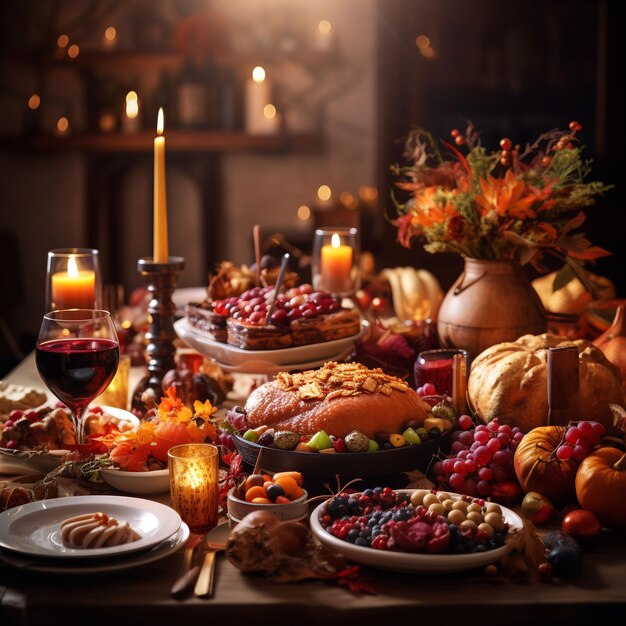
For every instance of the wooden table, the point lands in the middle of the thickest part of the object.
(141, 595)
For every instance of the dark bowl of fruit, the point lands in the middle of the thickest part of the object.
(323, 456)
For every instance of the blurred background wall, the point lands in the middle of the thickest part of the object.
(349, 79)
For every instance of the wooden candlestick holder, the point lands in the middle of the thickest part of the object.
(161, 279)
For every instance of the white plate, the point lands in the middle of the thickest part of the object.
(265, 367)
(35, 528)
(232, 355)
(161, 550)
(138, 483)
(25, 461)
(416, 563)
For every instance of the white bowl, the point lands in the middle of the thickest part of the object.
(406, 561)
(293, 511)
(138, 483)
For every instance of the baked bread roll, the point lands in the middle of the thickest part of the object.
(337, 398)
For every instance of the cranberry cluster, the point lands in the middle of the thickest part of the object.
(253, 305)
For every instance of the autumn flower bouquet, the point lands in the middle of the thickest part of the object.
(514, 203)
(173, 424)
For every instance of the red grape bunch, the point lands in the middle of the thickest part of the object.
(579, 440)
(482, 457)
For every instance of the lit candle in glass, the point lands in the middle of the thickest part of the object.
(193, 470)
(160, 243)
(73, 287)
(335, 258)
(336, 265)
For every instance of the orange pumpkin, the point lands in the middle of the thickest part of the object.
(538, 468)
(601, 485)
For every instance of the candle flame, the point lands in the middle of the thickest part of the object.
(324, 27)
(72, 268)
(324, 193)
(258, 74)
(335, 241)
(132, 105)
(160, 122)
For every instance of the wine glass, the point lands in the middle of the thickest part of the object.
(77, 354)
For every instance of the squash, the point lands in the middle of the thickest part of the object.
(416, 294)
(510, 381)
(601, 485)
(613, 342)
(572, 297)
(537, 467)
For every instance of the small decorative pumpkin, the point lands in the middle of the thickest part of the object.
(601, 485)
(510, 381)
(538, 468)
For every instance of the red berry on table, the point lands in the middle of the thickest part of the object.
(455, 132)
(459, 140)
(575, 126)
(429, 389)
(506, 143)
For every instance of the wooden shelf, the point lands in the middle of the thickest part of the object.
(176, 141)
(121, 61)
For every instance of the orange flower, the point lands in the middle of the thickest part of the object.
(431, 210)
(129, 457)
(173, 425)
(171, 403)
(506, 196)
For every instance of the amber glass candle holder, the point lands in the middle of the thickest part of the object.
(73, 279)
(335, 260)
(193, 470)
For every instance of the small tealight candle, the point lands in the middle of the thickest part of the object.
(193, 470)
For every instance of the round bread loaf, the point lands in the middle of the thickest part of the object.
(336, 398)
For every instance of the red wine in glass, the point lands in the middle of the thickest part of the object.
(77, 370)
(77, 355)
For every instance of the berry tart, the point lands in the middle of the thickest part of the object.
(253, 321)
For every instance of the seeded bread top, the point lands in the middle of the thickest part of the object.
(335, 380)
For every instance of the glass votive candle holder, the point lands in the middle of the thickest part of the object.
(73, 279)
(436, 367)
(193, 469)
(335, 260)
(116, 394)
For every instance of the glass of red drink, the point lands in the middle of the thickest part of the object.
(77, 355)
(435, 367)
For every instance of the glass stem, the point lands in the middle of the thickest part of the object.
(79, 425)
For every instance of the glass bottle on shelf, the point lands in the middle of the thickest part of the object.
(192, 96)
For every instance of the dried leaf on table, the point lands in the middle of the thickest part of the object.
(418, 480)
(287, 552)
(526, 553)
